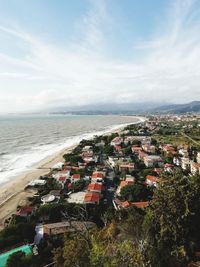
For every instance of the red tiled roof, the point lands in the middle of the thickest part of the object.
(124, 183)
(153, 179)
(92, 197)
(96, 175)
(24, 210)
(76, 176)
(167, 165)
(140, 205)
(62, 179)
(97, 187)
(126, 204)
(195, 165)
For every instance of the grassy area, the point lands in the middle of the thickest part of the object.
(175, 140)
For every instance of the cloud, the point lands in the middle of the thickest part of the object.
(81, 72)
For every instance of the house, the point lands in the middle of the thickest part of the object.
(153, 160)
(136, 149)
(90, 159)
(185, 163)
(183, 152)
(128, 140)
(123, 184)
(58, 166)
(127, 166)
(92, 198)
(130, 178)
(169, 150)
(67, 226)
(95, 188)
(98, 176)
(158, 170)
(116, 141)
(198, 157)
(112, 161)
(151, 180)
(25, 211)
(125, 204)
(62, 180)
(64, 173)
(75, 177)
(86, 148)
(37, 182)
(194, 168)
(168, 168)
(149, 148)
(177, 161)
(87, 154)
(118, 148)
(146, 140)
(141, 155)
(140, 205)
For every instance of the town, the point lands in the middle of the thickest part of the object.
(106, 181)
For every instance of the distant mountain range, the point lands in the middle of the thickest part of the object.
(129, 108)
(178, 108)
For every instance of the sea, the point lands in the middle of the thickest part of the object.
(28, 139)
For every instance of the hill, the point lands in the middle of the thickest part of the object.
(178, 108)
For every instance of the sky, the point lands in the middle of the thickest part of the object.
(73, 53)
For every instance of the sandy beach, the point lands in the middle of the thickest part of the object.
(13, 194)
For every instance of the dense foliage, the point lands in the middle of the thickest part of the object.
(172, 222)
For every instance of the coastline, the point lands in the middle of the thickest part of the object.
(12, 192)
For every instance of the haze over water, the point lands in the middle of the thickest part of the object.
(26, 140)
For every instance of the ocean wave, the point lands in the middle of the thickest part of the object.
(17, 163)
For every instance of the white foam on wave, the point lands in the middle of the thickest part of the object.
(15, 164)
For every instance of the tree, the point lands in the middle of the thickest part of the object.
(20, 259)
(171, 222)
(78, 185)
(14, 234)
(136, 192)
(107, 250)
(74, 253)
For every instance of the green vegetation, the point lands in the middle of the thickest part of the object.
(102, 248)
(18, 233)
(20, 259)
(164, 234)
(172, 221)
(136, 192)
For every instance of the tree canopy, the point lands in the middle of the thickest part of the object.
(172, 221)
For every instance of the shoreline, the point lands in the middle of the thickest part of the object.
(12, 193)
